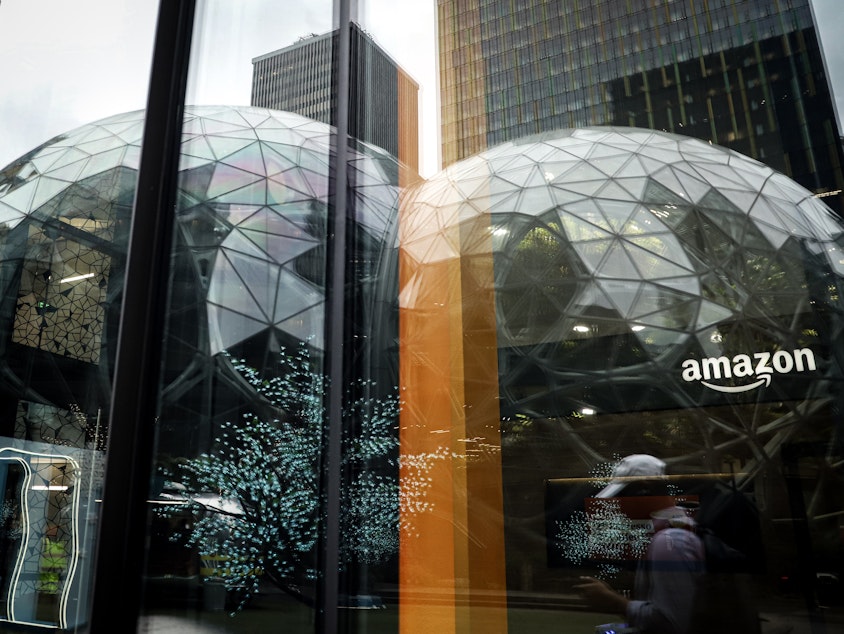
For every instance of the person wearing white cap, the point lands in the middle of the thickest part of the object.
(667, 578)
(633, 469)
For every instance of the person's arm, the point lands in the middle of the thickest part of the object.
(602, 597)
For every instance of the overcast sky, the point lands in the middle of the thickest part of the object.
(69, 63)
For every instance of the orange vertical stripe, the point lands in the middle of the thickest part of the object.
(452, 568)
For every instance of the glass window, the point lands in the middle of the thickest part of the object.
(437, 354)
(76, 82)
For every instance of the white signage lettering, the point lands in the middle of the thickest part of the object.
(760, 365)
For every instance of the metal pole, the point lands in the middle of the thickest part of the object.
(121, 544)
(335, 332)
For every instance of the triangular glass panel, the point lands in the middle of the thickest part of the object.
(716, 200)
(790, 217)
(44, 159)
(227, 328)
(690, 182)
(223, 123)
(617, 213)
(316, 160)
(294, 179)
(239, 243)
(281, 249)
(580, 224)
(632, 168)
(274, 223)
(20, 198)
(249, 159)
(793, 191)
(634, 186)
(260, 280)
(280, 136)
(294, 296)
(591, 296)
(563, 197)
(651, 165)
(658, 193)
(664, 312)
(278, 194)
(518, 177)
(47, 189)
(718, 175)
(555, 171)
(69, 173)
(742, 199)
(309, 325)
(537, 200)
(586, 188)
(617, 262)
(776, 237)
(657, 340)
(254, 194)
(198, 147)
(233, 275)
(9, 216)
(577, 148)
(622, 293)
(72, 155)
(613, 191)
(611, 163)
(665, 156)
(687, 284)
(755, 178)
(101, 145)
(820, 217)
(227, 179)
(223, 146)
(432, 248)
(192, 124)
(103, 162)
(255, 117)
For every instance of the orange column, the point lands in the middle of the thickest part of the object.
(452, 545)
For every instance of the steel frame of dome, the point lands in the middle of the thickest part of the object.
(249, 259)
(619, 255)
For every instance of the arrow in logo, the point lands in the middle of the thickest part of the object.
(765, 378)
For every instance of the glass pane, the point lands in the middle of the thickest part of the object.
(76, 79)
(618, 306)
(237, 507)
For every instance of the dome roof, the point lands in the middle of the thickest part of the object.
(253, 191)
(621, 254)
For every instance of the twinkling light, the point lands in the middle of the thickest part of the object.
(263, 516)
(604, 535)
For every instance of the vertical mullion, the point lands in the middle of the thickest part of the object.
(121, 548)
(335, 329)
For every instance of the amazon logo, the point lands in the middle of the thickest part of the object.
(757, 368)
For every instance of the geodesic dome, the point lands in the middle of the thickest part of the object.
(249, 259)
(639, 271)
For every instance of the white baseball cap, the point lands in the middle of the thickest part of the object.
(637, 466)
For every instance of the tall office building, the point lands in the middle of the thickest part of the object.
(744, 74)
(384, 107)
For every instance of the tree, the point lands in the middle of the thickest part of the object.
(256, 496)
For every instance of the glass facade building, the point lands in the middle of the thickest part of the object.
(744, 74)
(259, 373)
(298, 78)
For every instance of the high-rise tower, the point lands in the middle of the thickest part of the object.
(744, 74)
(384, 107)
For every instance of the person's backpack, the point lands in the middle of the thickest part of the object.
(724, 602)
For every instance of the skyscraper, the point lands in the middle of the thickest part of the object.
(384, 102)
(744, 74)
